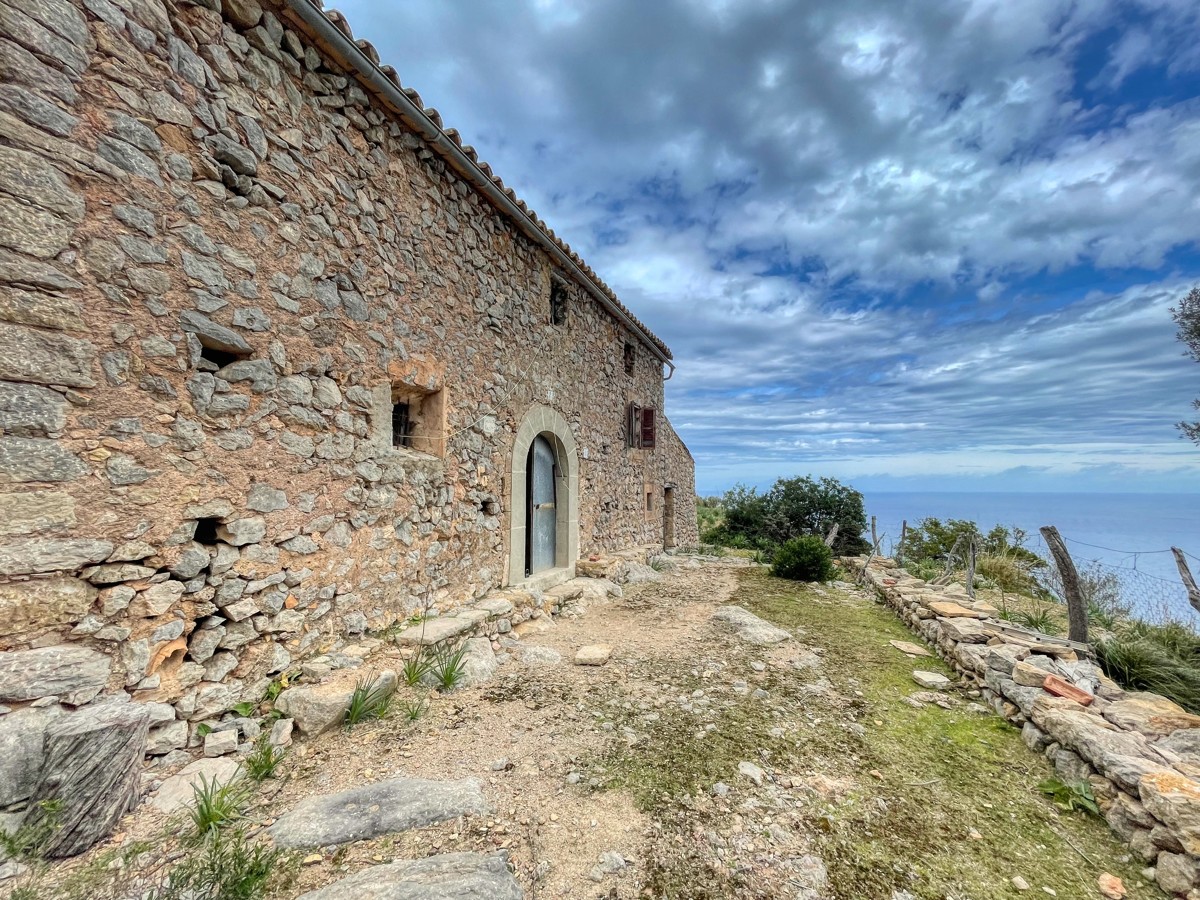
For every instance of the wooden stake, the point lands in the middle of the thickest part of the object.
(832, 536)
(1076, 610)
(1189, 582)
(900, 546)
(971, 569)
(874, 540)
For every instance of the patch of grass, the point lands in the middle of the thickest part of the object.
(1038, 619)
(943, 773)
(217, 804)
(226, 865)
(1142, 663)
(1006, 571)
(658, 564)
(412, 709)
(262, 762)
(447, 665)
(415, 667)
(372, 699)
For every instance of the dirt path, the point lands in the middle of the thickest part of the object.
(697, 765)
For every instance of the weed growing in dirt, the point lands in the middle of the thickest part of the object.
(226, 865)
(264, 760)
(371, 699)
(1070, 796)
(217, 804)
(448, 665)
(412, 709)
(415, 667)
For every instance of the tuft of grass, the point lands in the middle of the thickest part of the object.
(1142, 663)
(217, 805)
(447, 665)
(415, 667)
(264, 760)
(658, 564)
(226, 865)
(412, 709)
(1038, 619)
(372, 699)
(1006, 571)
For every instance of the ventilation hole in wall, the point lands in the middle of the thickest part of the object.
(218, 359)
(206, 531)
(491, 508)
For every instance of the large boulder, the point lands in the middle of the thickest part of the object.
(370, 810)
(90, 775)
(450, 876)
(22, 735)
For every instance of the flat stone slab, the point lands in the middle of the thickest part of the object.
(370, 810)
(450, 876)
(910, 648)
(951, 610)
(434, 631)
(932, 681)
(749, 627)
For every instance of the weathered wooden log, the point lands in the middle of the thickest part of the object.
(1072, 594)
(91, 774)
(1189, 583)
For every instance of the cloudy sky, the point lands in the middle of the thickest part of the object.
(911, 244)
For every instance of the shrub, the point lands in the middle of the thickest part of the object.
(216, 804)
(804, 559)
(224, 866)
(794, 507)
(1135, 659)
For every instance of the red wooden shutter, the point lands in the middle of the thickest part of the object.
(648, 428)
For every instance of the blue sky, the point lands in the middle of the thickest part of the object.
(915, 246)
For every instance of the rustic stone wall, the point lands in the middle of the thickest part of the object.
(220, 260)
(1140, 752)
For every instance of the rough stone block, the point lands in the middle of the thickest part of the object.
(28, 410)
(24, 459)
(40, 310)
(22, 734)
(434, 631)
(32, 555)
(27, 605)
(42, 357)
(34, 511)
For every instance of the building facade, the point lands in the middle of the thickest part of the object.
(280, 360)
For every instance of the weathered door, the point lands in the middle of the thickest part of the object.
(668, 518)
(542, 511)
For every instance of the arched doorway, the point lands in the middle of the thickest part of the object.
(543, 499)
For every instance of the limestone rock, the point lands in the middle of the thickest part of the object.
(73, 673)
(932, 681)
(749, 627)
(178, 791)
(540, 656)
(316, 708)
(22, 734)
(450, 876)
(212, 335)
(593, 655)
(220, 743)
(1174, 800)
(29, 556)
(1150, 715)
(434, 630)
(44, 357)
(910, 648)
(479, 664)
(950, 610)
(25, 605)
(92, 768)
(370, 810)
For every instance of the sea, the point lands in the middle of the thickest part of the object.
(1129, 535)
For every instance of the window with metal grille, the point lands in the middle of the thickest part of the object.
(401, 425)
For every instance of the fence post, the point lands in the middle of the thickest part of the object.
(900, 546)
(832, 536)
(971, 569)
(1189, 582)
(1076, 610)
(874, 540)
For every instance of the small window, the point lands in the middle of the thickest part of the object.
(649, 502)
(629, 358)
(640, 428)
(401, 425)
(558, 303)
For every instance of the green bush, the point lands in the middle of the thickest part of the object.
(794, 507)
(804, 559)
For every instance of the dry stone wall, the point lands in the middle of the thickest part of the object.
(219, 259)
(1140, 752)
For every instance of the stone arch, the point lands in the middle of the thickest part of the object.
(544, 421)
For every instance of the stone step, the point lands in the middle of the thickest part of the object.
(385, 807)
(450, 876)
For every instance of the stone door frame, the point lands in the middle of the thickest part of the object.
(548, 423)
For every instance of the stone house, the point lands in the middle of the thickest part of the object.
(281, 361)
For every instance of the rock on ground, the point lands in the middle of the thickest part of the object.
(479, 663)
(178, 791)
(92, 769)
(540, 656)
(593, 655)
(373, 809)
(749, 627)
(316, 708)
(22, 734)
(932, 681)
(451, 876)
